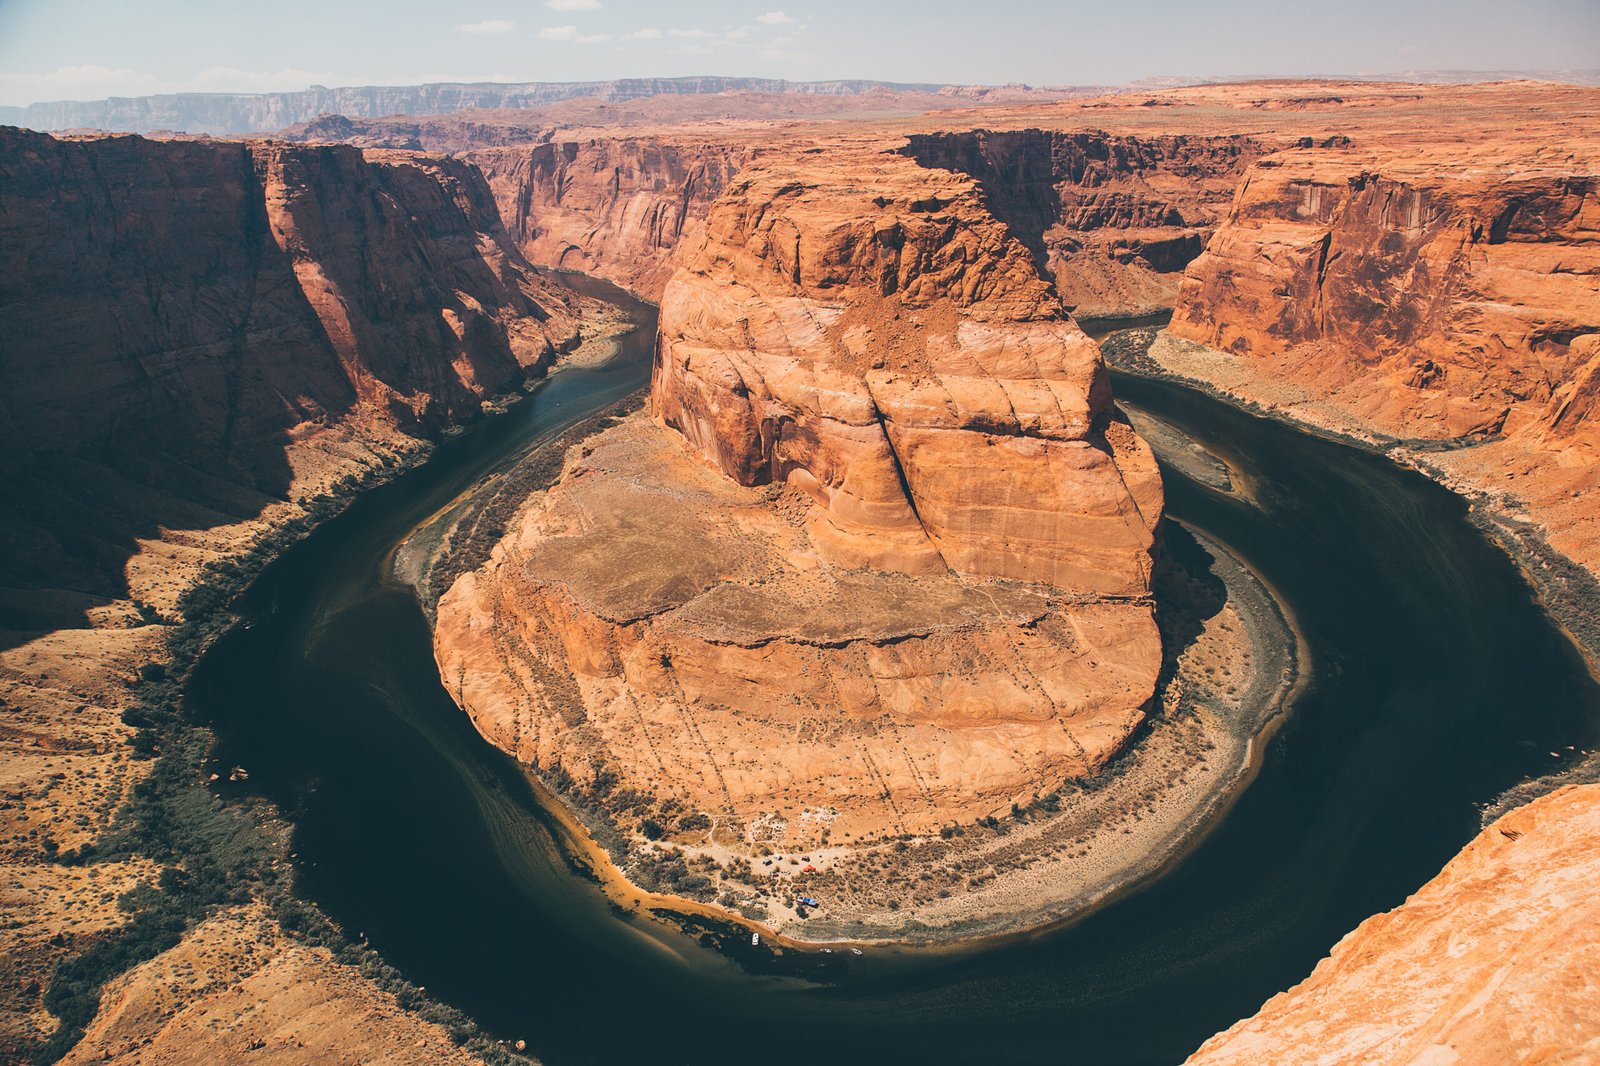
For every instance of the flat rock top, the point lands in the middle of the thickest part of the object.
(644, 529)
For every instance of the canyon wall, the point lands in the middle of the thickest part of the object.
(1452, 293)
(1113, 219)
(1451, 304)
(620, 208)
(182, 317)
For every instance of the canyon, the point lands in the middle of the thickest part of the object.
(203, 349)
(877, 443)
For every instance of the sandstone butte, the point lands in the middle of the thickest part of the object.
(879, 449)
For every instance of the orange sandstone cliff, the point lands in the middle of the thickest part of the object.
(1111, 219)
(879, 564)
(1439, 294)
(1491, 962)
(618, 207)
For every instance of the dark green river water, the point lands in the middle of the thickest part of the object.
(1435, 683)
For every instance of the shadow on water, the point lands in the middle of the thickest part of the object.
(1436, 683)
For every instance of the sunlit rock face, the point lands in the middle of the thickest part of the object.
(864, 331)
(875, 561)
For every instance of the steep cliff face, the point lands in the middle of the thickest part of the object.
(1456, 294)
(1113, 219)
(619, 208)
(1480, 966)
(866, 332)
(1453, 303)
(880, 448)
(183, 316)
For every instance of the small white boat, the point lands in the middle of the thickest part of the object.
(755, 940)
(855, 951)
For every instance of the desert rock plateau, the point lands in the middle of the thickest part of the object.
(872, 575)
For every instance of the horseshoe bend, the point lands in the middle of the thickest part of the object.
(963, 571)
(876, 446)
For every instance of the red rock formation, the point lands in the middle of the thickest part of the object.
(173, 309)
(866, 332)
(1113, 219)
(882, 565)
(1480, 967)
(1456, 290)
(618, 208)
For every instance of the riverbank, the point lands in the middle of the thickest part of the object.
(1231, 660)
(1567, 590)
(136, 892)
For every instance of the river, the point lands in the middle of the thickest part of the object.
(1435, 682)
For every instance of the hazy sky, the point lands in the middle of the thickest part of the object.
(61, 49)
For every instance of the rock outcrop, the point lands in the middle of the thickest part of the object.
(1452, 293)
(1442, 295)
(869, 334)
(1480, 967)
(880, 448)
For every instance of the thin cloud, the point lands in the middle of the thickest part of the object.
(490, 26)
(232, 79)
(570, 35)
(572, 5)
(693, 35)
(774, 18)
(649, 33)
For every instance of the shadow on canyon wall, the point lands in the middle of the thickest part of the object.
(174, 316)
(1061, 194)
